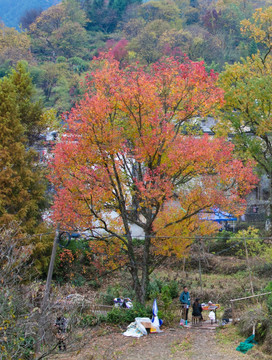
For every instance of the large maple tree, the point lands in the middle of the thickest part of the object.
(131, 157)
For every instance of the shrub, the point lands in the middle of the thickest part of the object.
(15, 325)
(167, 316)
(95, 283)
(220, 243)
(28, 346)
(78, 65)
(137, 242)
(174, 289)
(263, 269)
(61, 59)
(267, 342)
(74, 264)
(123, 316)
(255, 244)
(156, 286)
(78, 280)
(112, 292)
(166, 297)
(115, 316)
(257, 316)
(116, 291)
(88, 320)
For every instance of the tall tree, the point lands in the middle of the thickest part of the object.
(59, 31)
(248, 86)
(105, 15)
(165, 10)
(21, 184)
(30, 113)
(125, 160)
(14, 46)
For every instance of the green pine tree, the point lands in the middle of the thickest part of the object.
(22, 183)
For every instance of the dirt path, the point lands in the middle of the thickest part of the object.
(173, 344)
(181, 344)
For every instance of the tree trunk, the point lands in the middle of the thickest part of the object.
(140, 271)
(268, 221)
(249, 268)
(145, 266)
(134, 270)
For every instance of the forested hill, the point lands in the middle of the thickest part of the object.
(59, 42)
(12, 10)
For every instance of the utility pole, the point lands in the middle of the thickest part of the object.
(249, 268)
(42, 319)
(200, 275)
(199, 267)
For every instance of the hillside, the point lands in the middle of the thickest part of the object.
(11, 11)
(133, 30)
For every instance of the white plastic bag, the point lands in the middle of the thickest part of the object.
(133, 331)
(212, 315)
(136, 329)
(140, 326)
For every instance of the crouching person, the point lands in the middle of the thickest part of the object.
(197, 312)
(60, 331)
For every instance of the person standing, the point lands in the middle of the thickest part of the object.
(185, 301)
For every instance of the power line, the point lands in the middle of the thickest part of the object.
(142, 237)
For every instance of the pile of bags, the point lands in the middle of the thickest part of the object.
(139, 326)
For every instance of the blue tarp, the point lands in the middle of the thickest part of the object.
(218, 216)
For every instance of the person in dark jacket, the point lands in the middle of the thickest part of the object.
(197, 309)
(185, 301)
